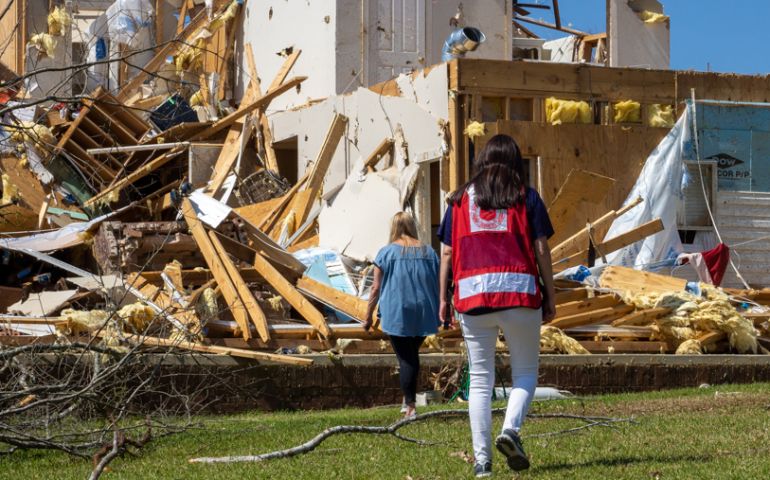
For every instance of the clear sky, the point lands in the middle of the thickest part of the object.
(731, 36)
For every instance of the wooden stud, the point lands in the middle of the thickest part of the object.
(217, 267)
(588, 318)
(330, 296)
(583, 306)
(247, 298)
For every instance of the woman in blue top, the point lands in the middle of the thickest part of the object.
(406, 286)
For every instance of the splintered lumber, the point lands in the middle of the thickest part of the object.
(641, 317)
(580, 240)
(218, 269)
(247, 298)
(615, 243)
(271, 250)
(291, 295)
(186, 317)
(595, 316)
(570, 295)
(269, 221)
(348, 304)
(382, 149)
(587, 305)
(233, 352)
(638, 282)
(579, 188)
(320, 166)
(244, 110)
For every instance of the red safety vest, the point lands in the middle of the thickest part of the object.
(493, 258)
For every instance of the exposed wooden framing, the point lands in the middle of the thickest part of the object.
(217, 267)
(217, 350)
(291, 295)
(382, 149)
(320, 167)
(269, 222)
(330, 296)
(556, 15)
(519, 18)
(265, 141)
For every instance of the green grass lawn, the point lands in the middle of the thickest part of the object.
(718, 432)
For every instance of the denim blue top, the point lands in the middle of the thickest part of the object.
(409, 290)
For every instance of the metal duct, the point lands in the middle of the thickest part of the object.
(460, 42)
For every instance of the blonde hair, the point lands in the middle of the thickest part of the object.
(402, 225)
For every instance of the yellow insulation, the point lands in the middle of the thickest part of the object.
(58, 21)
(627, 111)
(207, 308)
(136, 315)
(660, 115)
(552, 338)
(224, 17)
(33, 132)
(10, 191)
(475, 129)
(45, 43)
(694, 315)
(689, 347)
(652, 17)
(196, 99)
(558, 111)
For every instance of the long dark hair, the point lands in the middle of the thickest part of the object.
(499, 179)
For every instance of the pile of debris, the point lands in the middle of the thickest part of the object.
(172, 227)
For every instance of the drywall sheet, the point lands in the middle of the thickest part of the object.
(562, 49)
(415, 121)
(41, 304)
(634, 43)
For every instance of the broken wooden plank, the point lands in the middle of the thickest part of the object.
(580, 240)
(615, 243)
(247, 298)
(291, 295)
(641, 317)
(265, 99)
(218, 269)
(320, 167)
(595, 316)
(348, 304)
(233, 352)
(582, 306)
(570, 295)
(637, 282)
(374, 158)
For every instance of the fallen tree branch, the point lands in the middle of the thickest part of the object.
(392, 429)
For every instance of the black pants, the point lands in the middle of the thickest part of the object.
(408, 353)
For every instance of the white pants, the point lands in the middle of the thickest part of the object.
(521, 327)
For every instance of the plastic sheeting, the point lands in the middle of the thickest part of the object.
(660, 186)
(129, 20)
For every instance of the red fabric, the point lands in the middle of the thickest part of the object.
(492, 242)
(716, 260)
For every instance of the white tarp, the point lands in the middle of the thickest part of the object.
(660, 186)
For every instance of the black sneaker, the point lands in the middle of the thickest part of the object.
(509, 444)
(482, 470)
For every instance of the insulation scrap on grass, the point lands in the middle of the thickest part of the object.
(559, 111)
(627, 111)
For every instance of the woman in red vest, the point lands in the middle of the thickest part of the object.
(495, 244)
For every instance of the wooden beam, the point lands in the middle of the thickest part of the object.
(641, 317)
(320, 166)
(519, 18)
(233, 352)
(579, 240)
(291, 295)
(217, 267)
(614, 243)
(571, 295)
(249, 302)
(382, 149)
(228, 120)
(587, 305)
(588, 318)
(637, 282)
(331, 297)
